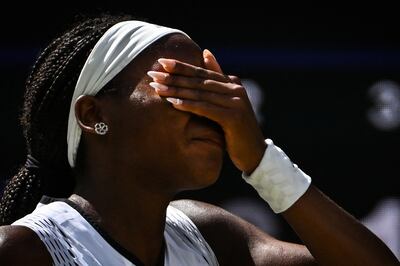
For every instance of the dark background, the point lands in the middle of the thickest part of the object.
(315, 65)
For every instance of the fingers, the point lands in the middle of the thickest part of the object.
(235, 79)
(187, 82)
(202, 91)
(180, 68)
(195, 83)
(222, 100)
(211, 62)
(205, 109)
(209, 93)
(212, 69)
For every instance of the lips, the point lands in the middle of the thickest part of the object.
(211, 139)
(207, 131)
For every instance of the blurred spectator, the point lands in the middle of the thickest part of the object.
(384, 221)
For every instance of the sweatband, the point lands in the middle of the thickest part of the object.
(114, 51)
(277, 180)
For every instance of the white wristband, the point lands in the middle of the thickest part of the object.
(277, 180)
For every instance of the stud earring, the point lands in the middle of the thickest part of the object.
(101, 128)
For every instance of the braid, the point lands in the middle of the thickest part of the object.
(23, 189)
(44, 117)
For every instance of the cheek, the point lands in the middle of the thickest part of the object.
(157, 128)
(144, 93)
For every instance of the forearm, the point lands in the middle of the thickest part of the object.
(333, 236)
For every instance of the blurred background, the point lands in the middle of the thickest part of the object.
(324, 82)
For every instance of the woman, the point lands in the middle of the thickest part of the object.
(147, 114)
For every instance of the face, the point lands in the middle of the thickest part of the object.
(151, 139)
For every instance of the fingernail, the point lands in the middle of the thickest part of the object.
(207, 54)
(158, 86)
(167, 64)
(174, 100)
(157, 75)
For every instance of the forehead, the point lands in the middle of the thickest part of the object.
(174, 46)
(180, 47)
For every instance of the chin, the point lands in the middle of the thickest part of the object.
(202, 166)
(204, 175)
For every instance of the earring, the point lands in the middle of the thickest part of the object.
(101, 128)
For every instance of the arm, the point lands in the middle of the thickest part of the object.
(332, 235)
(237, 242)
(21, 246)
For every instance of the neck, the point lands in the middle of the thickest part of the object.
(134, 219)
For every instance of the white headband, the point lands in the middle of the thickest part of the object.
(114, 51)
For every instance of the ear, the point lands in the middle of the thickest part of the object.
(88, 112)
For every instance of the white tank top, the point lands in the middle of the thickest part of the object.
(72, 238)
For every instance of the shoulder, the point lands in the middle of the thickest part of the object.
(238, 242)
(19, 245)
(208, 217)
(224, 232)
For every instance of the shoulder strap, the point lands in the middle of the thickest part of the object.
(57, 242)
(183, 234)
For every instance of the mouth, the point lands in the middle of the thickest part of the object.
(208, 132)
(211, 141)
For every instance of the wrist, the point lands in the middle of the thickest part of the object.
(277, 180)
(257, 157)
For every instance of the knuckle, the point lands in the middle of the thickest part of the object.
(239, 89)
(200, 71)
(207, 82)
(238, 108)
(226, 78)
(237, 101)
(235, 79)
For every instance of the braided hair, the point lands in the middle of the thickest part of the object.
(44, 117)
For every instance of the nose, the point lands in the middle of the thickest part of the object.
(204, 121)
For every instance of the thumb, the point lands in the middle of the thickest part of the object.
(211, 62)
